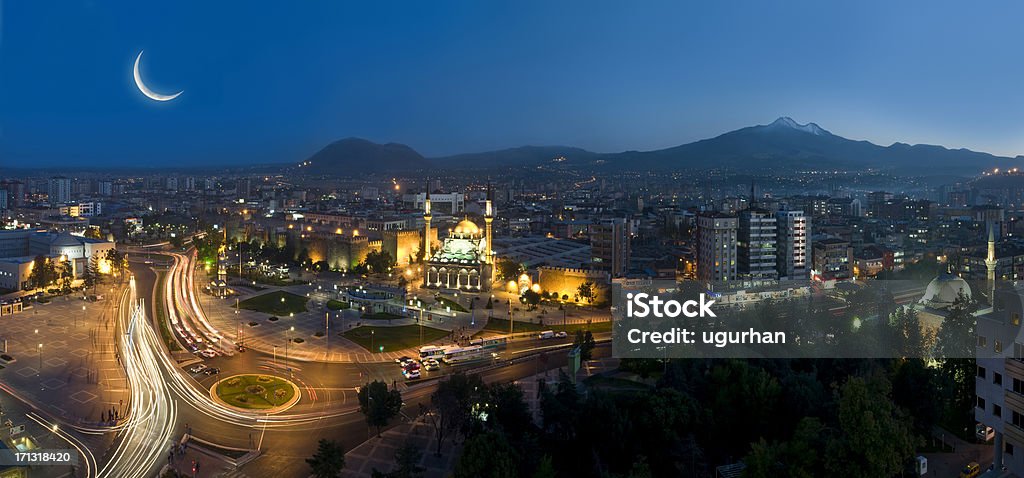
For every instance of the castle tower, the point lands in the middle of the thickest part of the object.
(990, 264)
(488, 219)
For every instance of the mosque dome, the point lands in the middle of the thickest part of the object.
(467, 228)
(943, 290)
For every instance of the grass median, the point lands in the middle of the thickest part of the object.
(278, 303)
(393, 338)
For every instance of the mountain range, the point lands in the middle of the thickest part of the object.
(780, 146)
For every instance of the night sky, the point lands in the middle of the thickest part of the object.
(275, 81)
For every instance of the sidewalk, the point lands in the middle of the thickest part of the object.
(379, 453)
(950, 463)
(193, 455)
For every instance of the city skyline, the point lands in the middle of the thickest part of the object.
(266, 85)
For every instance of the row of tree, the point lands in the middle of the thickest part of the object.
(47, 272)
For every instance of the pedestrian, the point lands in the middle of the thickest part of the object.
(170, 457)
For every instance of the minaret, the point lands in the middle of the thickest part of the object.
(488, 219)
(990, 264)
(426, 222)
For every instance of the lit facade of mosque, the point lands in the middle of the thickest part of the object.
(464, 260)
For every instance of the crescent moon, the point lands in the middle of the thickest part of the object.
(145, 89)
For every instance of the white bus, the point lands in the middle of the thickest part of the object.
(490, 342)
(431, 352)
(465, 354)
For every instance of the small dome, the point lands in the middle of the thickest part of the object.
(943, 290)
(467, 228)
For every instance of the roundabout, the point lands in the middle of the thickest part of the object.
(256, 393)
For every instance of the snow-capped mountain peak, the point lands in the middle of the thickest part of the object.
(787, 122)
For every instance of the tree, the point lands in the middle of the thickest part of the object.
(43, 273)
(94, 233)
(585, 341)
(379, 404)
(508, 269)
(545, 469)
(452, 406)
(912, 380)
(176, 241)
(329, 459)
(118, 261)
(873, 432)
(530, 298)
(586, 292)
(407, 463)
(66, 274)
(640, 468)
(486, 455)
(378, 262)
(956, 338)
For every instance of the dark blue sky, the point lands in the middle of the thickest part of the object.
(275, 81)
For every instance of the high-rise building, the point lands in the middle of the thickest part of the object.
(190, 183)
(171, 183)
(610, 247)
(3, 200)
(244, 187)
(833, 259)
(716, 247)
(756, 245)
(105, 188)
(59, 190)
(15, 192)
(793, 240)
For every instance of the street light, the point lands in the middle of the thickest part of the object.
(288, 336)
(83, 316)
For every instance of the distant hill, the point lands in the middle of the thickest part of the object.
(356, 154)
(783, 145)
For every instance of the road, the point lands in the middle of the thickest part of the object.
(328, 409)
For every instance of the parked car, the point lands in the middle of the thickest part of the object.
(431, 365)
(212, 371)
(561, 334)
(197, 368)
(972, 470)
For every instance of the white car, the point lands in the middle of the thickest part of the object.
(208, 353)
(197, 368)
(561, 334)
(411, 374)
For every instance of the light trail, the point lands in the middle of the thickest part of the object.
(152, 412)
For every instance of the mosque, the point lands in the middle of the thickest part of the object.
(943, 290)
(465, 260)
